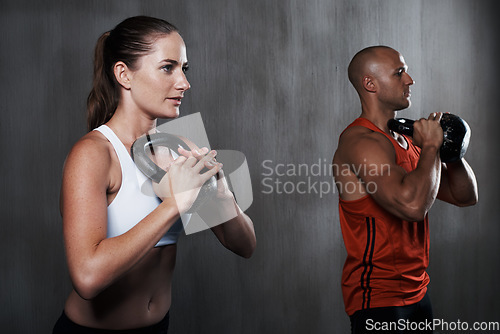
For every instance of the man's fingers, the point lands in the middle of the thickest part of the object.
(435, 116)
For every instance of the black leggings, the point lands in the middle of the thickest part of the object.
(396, 319)
(65, 326)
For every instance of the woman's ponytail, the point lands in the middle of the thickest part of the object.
(103, 99)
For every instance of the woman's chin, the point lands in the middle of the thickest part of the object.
(171, 114)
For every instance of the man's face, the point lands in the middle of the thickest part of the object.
(393, 81)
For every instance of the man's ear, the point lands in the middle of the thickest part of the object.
(369, 84)
(122, 74)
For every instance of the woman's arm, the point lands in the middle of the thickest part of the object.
(94, 261)
(237, 232)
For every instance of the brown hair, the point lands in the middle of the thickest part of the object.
(127, 42)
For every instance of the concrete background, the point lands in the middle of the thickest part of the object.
(269, 78)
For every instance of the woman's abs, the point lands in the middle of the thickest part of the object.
(140, 298)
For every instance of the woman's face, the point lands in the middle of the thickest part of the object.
(158, 84)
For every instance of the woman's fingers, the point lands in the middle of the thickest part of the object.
(190, 162)
(179, 161)
(213, 171)
(208, 161)
(197, 153)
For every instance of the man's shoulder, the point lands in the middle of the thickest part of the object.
(361, 136)
(358, 143)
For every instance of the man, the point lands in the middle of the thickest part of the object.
(387, 183)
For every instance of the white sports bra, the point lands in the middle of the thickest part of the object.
(131, 204)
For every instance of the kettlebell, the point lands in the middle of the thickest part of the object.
(155, 173)
(456, 134)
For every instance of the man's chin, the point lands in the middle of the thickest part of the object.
(404, 106)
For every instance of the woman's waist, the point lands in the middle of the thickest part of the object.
(140, 298)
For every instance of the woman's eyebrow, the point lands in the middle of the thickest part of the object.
(175, 62)
(172, 61)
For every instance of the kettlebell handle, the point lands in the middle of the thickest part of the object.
(401, 125)
(155, 173)
(144, 143)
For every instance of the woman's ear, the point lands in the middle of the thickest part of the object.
(122, 74)
(369, 84)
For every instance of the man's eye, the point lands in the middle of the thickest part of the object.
(185, 69)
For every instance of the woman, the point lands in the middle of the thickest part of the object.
(121, 244)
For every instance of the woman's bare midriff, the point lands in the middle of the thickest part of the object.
(140, 298)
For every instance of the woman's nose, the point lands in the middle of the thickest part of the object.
(182, 83)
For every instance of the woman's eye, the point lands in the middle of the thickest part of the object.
(185, 69)
(167, 68)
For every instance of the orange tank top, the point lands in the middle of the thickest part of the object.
(387, 257)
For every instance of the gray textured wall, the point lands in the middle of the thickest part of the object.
(269, 78)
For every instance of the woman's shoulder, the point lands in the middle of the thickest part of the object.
(92, 151)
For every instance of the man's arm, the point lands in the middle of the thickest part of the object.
(406, 195)
(458, 184)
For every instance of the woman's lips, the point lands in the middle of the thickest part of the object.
(176, 100)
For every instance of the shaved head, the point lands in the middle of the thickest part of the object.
(379, 75)
(365, 62)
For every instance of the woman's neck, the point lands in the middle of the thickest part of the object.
(130, 125)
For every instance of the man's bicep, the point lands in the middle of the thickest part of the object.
(374, 162)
